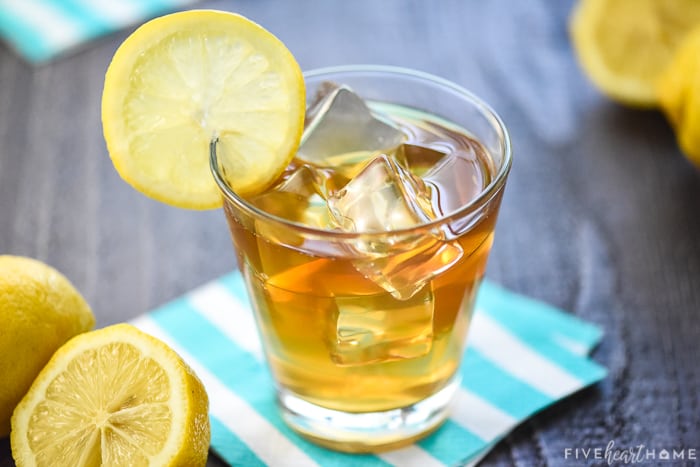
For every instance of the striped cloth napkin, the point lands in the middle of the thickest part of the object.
(522, 356)
(40, 30)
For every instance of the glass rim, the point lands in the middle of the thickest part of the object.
(484, 196)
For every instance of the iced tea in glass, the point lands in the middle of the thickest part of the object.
(362, 261)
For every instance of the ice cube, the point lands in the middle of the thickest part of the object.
(406, 268)
(418, 158)
(362, 326)
(384, 196)
(454, 181)
(380, 329)
(342, 132)
(299, 197)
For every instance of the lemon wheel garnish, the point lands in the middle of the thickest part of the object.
(624, 45)
(116, 396)
(182, 79)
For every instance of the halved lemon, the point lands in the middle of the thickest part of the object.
(116, 396)
(624, 45)
(182, 79)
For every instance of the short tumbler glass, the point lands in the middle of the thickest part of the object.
(356, 368)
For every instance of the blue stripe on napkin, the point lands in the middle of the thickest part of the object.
(498, 386)
(40, 30)
(451, 443)
(228, 442)
(522, 356)
(551, 323)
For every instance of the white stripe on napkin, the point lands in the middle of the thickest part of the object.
(518, 359)
(480, 417)
(410, 456)
(229, 314)
(238, 417)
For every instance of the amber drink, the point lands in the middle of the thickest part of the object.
(363, 259)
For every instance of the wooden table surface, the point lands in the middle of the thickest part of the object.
(601, 214)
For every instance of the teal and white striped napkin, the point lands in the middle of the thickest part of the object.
(40, 30)
(522, 356)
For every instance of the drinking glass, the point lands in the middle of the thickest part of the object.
(360, 367)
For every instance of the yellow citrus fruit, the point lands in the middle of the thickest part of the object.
(679, 95)
(624, 45)
(183, 79)
(115, 396)
(39, 311)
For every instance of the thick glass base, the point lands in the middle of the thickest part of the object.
(366, 432)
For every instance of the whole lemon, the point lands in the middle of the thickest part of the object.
(39, 310)
(679, 95)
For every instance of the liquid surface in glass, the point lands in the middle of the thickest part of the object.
(377, 321)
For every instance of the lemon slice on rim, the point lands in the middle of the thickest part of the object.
(182, 79)
(624, 45)
(116, 396)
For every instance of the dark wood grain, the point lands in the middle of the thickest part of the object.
(601, 215)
